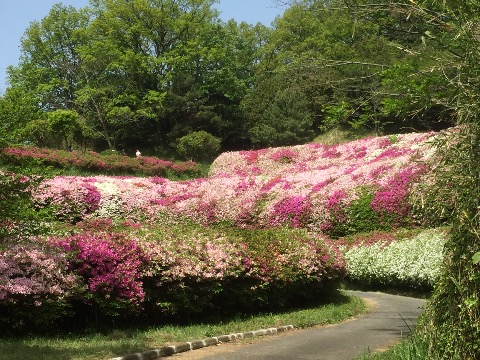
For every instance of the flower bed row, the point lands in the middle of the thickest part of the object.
(113, 163)
(339, 190)
(161, 271)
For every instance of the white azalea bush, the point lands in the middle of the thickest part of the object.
(412, 262)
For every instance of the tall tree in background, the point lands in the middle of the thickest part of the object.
(333, 57)
(49, 64)
(138, 72)
(129, 64)
(152, 71)
(47, 76)
(360, 64)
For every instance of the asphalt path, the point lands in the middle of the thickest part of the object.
(390, 318)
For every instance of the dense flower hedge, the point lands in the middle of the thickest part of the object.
(343, 189)
(411, 262)
(155, 271)
(113, 163)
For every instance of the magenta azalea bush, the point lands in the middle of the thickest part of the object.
(109, 265)
(113, 163)
(342, 189)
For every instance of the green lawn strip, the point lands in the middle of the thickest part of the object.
(123, 342)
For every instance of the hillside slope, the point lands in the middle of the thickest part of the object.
(338, 189)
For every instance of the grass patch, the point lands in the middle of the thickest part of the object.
(119, 342)
(339, 135)
(411, 349)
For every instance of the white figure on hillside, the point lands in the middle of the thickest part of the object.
(138, 153)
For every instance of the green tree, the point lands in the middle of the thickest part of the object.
(17, 108)
(65, 125)
(48, 73)
(38, 132)
(146, 71)
(49, 64)
(334, 58)
(157, 70)
(286, 121)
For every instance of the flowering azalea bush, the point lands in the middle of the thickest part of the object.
(35, 284)
(343, 189)
(109, 265)
(113, 163)
(193, 269)
(412, 262)
(108, 269)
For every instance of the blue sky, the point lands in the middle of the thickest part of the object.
(18, 14)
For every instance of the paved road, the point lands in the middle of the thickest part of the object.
(390, 318)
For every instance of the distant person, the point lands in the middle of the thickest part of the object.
(138, 153)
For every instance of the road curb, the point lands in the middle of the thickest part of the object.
(192, 345)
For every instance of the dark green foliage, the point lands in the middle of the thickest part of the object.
(361, 215)
(65, 126)
(198, 146)
(150, 72)
(452, 321)
(18, 215)
(285, 121)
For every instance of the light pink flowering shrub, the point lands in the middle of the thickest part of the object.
(194, 269)
(72, 197)
(109, 269)
(281, 267)
(35, 285)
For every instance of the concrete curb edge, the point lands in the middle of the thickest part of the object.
(192, 345)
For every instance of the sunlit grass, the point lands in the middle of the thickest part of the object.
(340, 136)
(408, 349)
(120, 342)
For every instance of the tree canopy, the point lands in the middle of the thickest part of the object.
(145, 73)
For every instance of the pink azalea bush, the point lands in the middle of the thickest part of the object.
(119, 270)
(35, 284)
(319, 187)
(137, 246)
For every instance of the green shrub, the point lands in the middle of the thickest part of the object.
(198, 146)
(17, 212)
(361, 215)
